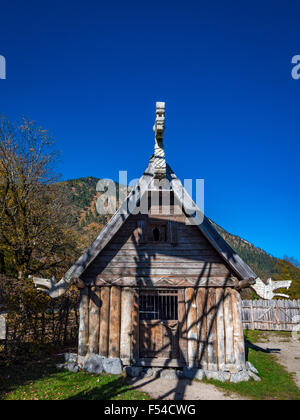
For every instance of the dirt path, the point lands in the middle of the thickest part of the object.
(286, 350)
(182, 389)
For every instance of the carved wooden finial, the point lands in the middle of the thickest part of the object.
(265, 290)
(159, 153)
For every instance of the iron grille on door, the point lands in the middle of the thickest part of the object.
(158, 305)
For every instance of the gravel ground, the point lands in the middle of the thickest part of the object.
(286, 350)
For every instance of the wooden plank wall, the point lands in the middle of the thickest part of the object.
(106, 323)
(271, 315)
(211, 333)
(219, 341)
(131, 258)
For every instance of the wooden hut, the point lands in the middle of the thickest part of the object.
(160, 288)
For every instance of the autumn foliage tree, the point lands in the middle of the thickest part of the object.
(36, 235)
(288, 269)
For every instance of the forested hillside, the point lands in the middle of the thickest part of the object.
(262, 263)
(84, 198)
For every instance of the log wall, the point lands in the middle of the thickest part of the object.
(220, 341)
(209, 327)
(211, 334)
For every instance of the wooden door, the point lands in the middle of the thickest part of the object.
(161, 326)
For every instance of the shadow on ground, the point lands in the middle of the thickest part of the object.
(109, 391)
(21, 374)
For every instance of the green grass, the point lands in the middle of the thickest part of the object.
(256, 336)
(42, 381)
(276, 383)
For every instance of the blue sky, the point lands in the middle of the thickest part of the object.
(91, 72)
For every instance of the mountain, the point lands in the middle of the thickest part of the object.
(84, 197)
(262, 263)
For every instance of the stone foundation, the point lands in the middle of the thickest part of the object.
(191, 373)
(93, 363)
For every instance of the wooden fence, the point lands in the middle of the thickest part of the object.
(273, 315)
(28, 334)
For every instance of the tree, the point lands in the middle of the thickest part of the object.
(35, 230)
(288, 271)
(293, 261)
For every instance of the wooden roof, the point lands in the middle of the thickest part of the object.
(242, 270)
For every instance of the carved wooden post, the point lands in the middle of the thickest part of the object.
(159, 153)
